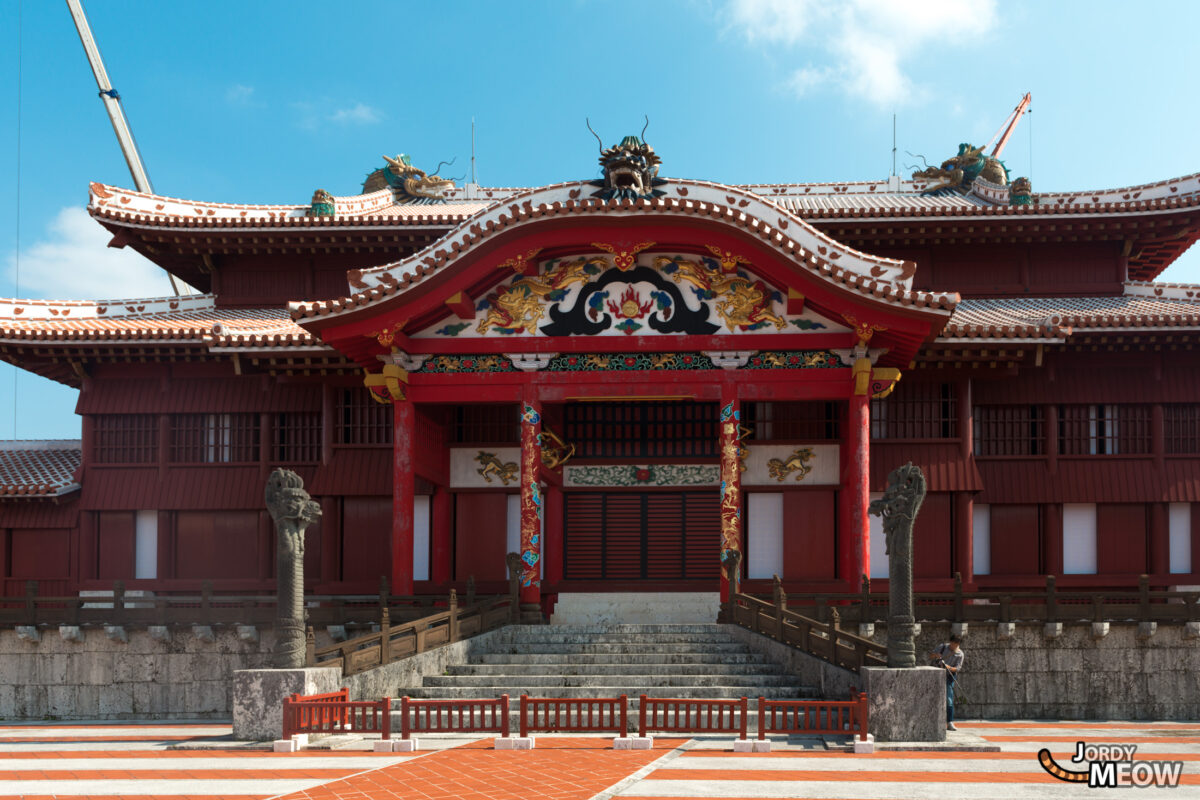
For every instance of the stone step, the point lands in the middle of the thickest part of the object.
(639, 629)
(791, 692)
(633, 648)
(549, 636)
(618, 667)
(586, 681)
(564, 659)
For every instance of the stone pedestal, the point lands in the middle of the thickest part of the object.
(258, 697)
(906, 705)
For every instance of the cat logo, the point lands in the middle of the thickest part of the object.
(1113, 766)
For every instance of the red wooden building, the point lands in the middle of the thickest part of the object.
(621, 380)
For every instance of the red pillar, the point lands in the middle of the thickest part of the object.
(440, 528)
(731, 480)
(854, 539)
(531, 502)
(553, 551)
(403, 487)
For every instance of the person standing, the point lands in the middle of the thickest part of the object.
(949, 656)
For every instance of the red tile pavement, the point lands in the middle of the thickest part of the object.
(216, 752)
(558, 769)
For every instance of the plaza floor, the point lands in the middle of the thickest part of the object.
(152, 760)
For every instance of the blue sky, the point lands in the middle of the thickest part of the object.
(265, 101)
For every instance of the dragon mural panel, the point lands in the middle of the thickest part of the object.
(630, 290)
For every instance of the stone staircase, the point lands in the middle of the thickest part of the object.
(685, 661)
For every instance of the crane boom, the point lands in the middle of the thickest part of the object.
(1006, 130)
(112, 104)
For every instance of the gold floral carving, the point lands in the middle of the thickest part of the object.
(520, 263)
(729, 260)
(739, 302)
(780, 469)
(623, 259)
(863, 330)
(493, 466)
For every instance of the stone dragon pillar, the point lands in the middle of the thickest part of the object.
(293, 511)
(899, 507)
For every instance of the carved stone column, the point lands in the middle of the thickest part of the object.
(899, 507)
(293, 511)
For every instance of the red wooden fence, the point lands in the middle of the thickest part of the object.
(453, 716)
(336, 713)
(827, 717)
(692, 716)
(574, 715)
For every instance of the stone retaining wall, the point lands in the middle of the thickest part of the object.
(1064, 671)
(169, 673)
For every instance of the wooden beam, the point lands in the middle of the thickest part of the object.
(461, 304)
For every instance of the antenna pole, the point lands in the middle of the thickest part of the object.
(473, 150)
(893, 145)
(112, 104)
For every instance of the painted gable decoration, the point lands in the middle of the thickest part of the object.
(629, 292)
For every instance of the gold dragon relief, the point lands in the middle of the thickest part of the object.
(491, 466)
(742, 304)
(797, 462)
(521, 305)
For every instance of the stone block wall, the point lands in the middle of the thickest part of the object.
(1036, 673)
(181, 675)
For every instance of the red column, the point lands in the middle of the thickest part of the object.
(531, 502)
(553, 551)
(403, 487)
(854, 539)
(440, 522)
(731, 480)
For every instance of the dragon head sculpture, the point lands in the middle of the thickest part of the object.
(411, 185)
(1021, 192)
(959, 172)
(630, 171)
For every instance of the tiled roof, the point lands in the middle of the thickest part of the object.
(184, 319)
(1143, 305)
(884, 279)
(39, 468)
(850, 200)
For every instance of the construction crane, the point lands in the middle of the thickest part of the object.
(1001, 137)
(112, 104)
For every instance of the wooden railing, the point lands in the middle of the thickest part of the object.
(575, 715)
(124, 606)
(336, 713)
(453, 716)
(814, 717)
(825, 640)
(1046, 604)
(693, 716)
(394, 642)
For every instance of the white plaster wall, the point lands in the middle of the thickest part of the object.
(879, 556)
(764, 534)
(1079, 539)
(421, 537)
(981, 527)
(1180, 522)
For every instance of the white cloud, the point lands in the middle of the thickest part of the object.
(73, 262)
(239, 95)
(358, 114)
(861, 45)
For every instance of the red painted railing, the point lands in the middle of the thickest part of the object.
(453, 716)
(574, 715)
(692, 716)
(826, 717)
(336, 713)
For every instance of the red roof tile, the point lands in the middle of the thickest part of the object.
(39, 468)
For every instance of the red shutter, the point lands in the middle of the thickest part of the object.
(666, 527)
(584, 532)
(702, 513)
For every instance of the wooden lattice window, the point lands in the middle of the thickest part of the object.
(795, 421)
(214, 438)
(642, 429)
(1010, 431)
(1181, 425)
(486, 424)
(296, 438)
(1104, 429)
(125, 438)
(916, 410)
(361, 420)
